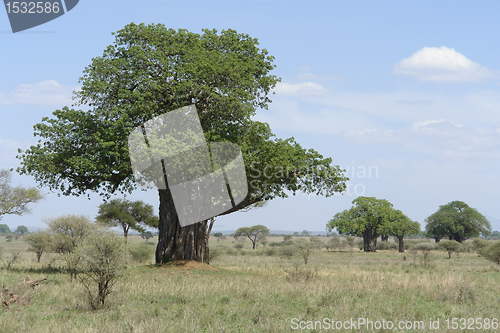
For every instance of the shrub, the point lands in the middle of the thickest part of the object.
(99, 261)
(140, 252)
(288, 251)
(67, 232)
(214, 253)
(350, 241)
(239, 246)
(275, 244)
(450, 246)
(425, 248)
(298, 274)
(492, 252)
(478, 244)
(270, 252)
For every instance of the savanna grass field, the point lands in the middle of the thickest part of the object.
(261, 290)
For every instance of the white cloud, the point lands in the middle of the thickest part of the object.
(300, 89)
(442, 65)
(435, 137)
(47, 92)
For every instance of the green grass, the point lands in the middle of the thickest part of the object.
(252, 292)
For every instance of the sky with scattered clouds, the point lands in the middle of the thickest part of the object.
(404, 96)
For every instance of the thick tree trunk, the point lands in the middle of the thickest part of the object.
(370, 240)
(176, 242)
(401, 244)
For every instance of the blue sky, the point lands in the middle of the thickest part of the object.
(407, 90)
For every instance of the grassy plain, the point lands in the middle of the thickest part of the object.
(257, 291)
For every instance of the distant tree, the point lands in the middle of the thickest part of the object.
(147, 235)
(252, 233)
(286, 238)
(457, 221)
(4, 229)
(40, 242)
(399, 225)
(363, 220)
(16, 200)
(219, 236)
(127, 214)
(305, 247)
(304, 233)
(296, 233)
(450, 246)
(492, 252)
(22, 230)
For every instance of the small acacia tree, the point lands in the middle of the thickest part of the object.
(252, 233)
(16, 200)
(127, 214)
(450, 246)
(305, 247)
(40, 242)
(100, 260)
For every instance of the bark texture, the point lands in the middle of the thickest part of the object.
(176, 242)
(401, 244)
(370, 240)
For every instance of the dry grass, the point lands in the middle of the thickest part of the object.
(252, 292)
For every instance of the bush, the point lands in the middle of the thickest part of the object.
(492, 252)
(140, 252)
(425, 248)
(478, 244)
(270, 252)
(99, 261)
(239, 246)
(288, 251)
(450, 246)
(214, 253)
(275, 244)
